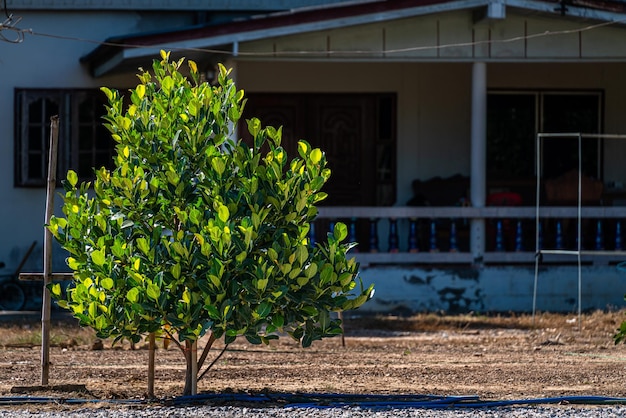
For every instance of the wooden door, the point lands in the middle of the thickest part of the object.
(344, 126)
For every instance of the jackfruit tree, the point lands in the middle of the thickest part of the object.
(195, 233)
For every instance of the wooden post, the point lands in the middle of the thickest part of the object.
(151, 350)
(47, 251)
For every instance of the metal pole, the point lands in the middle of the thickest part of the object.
(47, 251)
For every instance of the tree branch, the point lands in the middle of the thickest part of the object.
(213, 362)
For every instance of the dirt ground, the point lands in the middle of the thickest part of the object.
(494, 357)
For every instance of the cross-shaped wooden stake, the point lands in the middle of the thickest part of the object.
(47, 275)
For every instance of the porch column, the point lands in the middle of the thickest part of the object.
(478, 178)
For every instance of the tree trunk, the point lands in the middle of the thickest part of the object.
(191, 371)
(151, 352)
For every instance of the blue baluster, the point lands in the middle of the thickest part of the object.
(331, 226)
(499, 236)
(559, 236)
(453, 245)
(540, 235)
(413, 246)
(433, 236)
(519, 237)
(312, 234)
(373, 241)
(393, 236)
(352, 235)
(618, 236)
(599, 236)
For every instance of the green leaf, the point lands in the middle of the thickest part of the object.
(241, 257)
(186, 296)
(218, 165)
(278, 320)
(167, 84)
(141, 91)
(262, 284)
(264, 309)
(143, 245)
(254, 126)
(303, 148)
(302, 254)
(72, 177)
(133, 295)
(97, 256)
(55, 289)
(176, 269)
(316, 156)
(153, 291)
(72, 263)
(93, 310)
(341, 231)
(107, 283)
(223, 213)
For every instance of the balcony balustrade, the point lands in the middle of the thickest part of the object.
(440, 235)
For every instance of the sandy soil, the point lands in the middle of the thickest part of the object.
(492, 357)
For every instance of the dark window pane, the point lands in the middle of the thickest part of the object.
(86, 112)
(85, 138)
(51, 109)
(103, 159)
(85, 169)
(35, 168)
(35, 111)
(34, 139)
(510, 136)
(570, 113)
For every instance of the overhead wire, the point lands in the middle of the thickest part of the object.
(10, 24)
(20, 34)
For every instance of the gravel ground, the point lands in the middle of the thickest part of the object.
(289, 412)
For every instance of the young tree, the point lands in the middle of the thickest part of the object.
(194, 233)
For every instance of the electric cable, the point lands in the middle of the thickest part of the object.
(22, 32)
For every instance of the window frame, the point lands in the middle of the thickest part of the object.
(539, 96)
(68, 102)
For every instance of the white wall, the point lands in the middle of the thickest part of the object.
(44, 62)
(433, 106)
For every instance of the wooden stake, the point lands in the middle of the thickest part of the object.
(151, 356)
(47, 251)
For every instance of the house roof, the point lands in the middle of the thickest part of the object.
(214, 42)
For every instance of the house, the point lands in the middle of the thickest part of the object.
(453, 129)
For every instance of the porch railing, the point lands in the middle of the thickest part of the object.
(440, 235)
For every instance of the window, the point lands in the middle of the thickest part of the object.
(514, 119)
(84, 143)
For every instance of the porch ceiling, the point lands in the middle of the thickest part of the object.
(304, 34)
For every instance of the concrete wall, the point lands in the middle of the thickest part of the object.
(493, 289)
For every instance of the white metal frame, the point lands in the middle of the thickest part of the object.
(578, 252)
